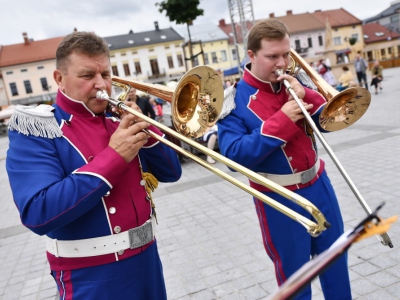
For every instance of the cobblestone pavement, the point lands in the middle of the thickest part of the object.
(208, 233)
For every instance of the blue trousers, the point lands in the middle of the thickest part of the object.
(290, 246)
(139, 277)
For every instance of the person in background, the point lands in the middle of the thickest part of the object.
(84, 180)
(227, 84)
(377, 76)
(158, 109)
(266, 133)
(326, 73)
(361, 67)
(345, 80)
(142, 102)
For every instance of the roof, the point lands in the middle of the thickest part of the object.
(151, 37)
(337, 17)
(206, 32)
(227, 29)
(29, 51)
(301, 22)
(375, 32)
(393, 9)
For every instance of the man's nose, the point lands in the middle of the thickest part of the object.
(100, 82)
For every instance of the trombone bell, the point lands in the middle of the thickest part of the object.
(343, 108)
(195, 103)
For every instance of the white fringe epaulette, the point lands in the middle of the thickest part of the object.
(37, 121)
(229, 101)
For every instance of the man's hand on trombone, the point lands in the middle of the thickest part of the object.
(290, 108)
(129, 138)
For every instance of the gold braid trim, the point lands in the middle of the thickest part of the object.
(150, 186)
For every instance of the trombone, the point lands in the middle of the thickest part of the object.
(342, 110)
(195, 105)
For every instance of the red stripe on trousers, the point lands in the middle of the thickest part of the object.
(268, 244)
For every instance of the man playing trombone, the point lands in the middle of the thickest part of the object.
(266, 132)
(82, 179)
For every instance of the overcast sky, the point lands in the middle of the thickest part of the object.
(42, 19)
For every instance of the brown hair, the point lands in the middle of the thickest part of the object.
(80, 42)
(269, 29)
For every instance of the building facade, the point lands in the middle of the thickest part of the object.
(151, 56)
(27, 71)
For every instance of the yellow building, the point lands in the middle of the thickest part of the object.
(209, 46)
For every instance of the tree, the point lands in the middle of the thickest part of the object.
(182, 12)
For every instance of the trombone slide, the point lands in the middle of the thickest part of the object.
(384, 238)
(314, 229)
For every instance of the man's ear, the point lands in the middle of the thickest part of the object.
(57, 75)
(251, 55)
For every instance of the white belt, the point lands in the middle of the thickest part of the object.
(132, 238)
(291, 179)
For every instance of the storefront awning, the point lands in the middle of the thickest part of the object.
(343, 51)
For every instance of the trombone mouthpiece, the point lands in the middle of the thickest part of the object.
(102, 95)
(278, 72)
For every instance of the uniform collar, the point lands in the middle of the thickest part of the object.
(72, 106)
(256, 82)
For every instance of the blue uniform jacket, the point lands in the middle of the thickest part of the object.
(259, 136)
(77, 187)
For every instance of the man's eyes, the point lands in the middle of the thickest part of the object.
(277, 56)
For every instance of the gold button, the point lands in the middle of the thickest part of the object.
(120, 252)
(112, 210)
(117, 229)
(107, 194)
(142, 182)
(290, 158)
(253, 97)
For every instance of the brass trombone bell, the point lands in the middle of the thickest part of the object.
(343, 108)
(196, 102)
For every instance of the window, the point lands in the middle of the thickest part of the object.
(383, 53)
(337, 40)
(394, 19)
(127, 70)
(309, 42)
(154, 67)
(195, 61)
(138, 69)
(180, 60)
(206, 62)
(223, 55)
(40, 67)
(9, 72)
(28, 88)
(355, 35)
(123, 53)
(13, 88)
(214, 57)
(24, 70)
(170, 62)
(45, 86)
(297, 45)
(320, 40)
(115, 70)
(234, 55)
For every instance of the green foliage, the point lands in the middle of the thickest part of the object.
(181, 11)
(352, 40)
